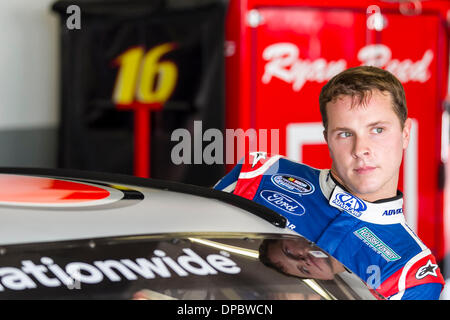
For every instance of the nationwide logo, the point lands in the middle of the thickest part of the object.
(50, 274)
(369, 238)
(350, 204)
(293, 184)
(283, 202)
(392, 212)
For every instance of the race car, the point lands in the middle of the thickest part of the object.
(83, 235)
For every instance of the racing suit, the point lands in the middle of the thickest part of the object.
(371, 239)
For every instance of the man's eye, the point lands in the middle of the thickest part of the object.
(344, 135)
(289, 254)
(377, 130)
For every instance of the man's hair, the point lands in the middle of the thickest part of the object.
(264, 256)
(263, 252)
(359, 83)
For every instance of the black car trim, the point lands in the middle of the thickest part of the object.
(94, 242)
(237, 201)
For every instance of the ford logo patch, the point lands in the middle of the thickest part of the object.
(293, 184)
(283, 202)
(350, 204)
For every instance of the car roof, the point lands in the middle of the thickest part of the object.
(134, 206)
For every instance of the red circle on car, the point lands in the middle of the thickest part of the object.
(18, 189)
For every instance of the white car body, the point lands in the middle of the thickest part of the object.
(64, 218)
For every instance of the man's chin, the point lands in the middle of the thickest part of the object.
(367, 190)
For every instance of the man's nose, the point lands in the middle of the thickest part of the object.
(361, 147)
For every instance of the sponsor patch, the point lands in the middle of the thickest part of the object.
(283, 202)
(258, 156)
(350, 204)
(427, 270)
(293, 184)
(369, 238)
(392, 212)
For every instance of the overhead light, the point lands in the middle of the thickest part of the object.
(238, 250)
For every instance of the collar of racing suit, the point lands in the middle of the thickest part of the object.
(384, 211)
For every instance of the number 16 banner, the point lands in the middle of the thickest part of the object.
(131, 74)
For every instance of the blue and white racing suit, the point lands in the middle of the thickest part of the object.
(371, 239)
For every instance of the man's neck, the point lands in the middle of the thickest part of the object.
(375, 198)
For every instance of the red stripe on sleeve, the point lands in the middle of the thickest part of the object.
(390, 285)
(422, 271)
(247, 187)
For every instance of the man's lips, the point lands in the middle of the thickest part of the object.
(365, 169)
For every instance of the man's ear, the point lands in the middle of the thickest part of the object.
(406, 132)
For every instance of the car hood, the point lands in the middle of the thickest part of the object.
(40, 205)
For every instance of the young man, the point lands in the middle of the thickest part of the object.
(353, 210)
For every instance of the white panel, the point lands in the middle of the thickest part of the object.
(410, 177)
(29, 50)
(298, 134)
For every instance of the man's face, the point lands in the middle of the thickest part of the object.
(299, 258)
(366, 144)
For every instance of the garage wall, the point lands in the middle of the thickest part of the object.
(29, 60)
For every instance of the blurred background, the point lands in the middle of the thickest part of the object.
(29, 84)
(105, 85)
